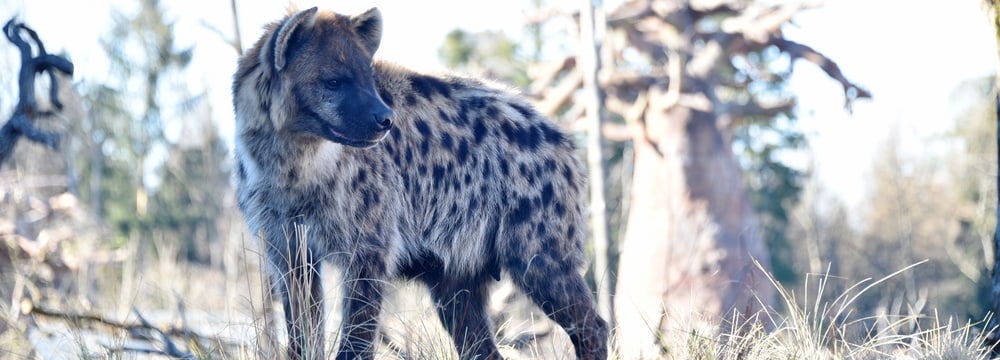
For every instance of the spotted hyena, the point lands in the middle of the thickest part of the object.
(447, 180)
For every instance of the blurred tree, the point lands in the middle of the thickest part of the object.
(128, 117)
(145, 185)
(773, 187)
(489, 53)
(975, 180)
(188, 206)
(935, 205)
(105, 175)
(819, 223)
(912, 216)
(693, 79)
(143, 54)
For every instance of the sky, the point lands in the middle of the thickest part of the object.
(910, 54)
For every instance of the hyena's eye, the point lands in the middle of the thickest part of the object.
(335, 83)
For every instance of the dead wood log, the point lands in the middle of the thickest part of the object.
(27, 110)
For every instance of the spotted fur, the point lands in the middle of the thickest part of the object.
(469, 183)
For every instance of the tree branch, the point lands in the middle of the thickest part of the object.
(759, 22)
(20, 122)
(628, 13)
(545, 75)
(796, 50)
(561, 94)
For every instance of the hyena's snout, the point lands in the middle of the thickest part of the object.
(372, 120)
(382, 117)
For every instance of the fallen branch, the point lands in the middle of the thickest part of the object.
(170, 348)
(163, 339)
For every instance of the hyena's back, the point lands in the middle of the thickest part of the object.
(486, 178)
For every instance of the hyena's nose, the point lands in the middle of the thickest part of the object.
(383, 118)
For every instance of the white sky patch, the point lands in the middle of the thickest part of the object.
(910, 54)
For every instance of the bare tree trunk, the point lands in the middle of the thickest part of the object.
(589, 65)
(237, 41)
(691, 235)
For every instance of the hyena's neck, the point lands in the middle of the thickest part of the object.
(277, 157)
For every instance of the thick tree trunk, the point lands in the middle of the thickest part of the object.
(691, 235)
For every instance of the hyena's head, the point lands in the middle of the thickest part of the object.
(321, 77)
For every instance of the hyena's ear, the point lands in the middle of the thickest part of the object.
(304, 19)
(368, 26)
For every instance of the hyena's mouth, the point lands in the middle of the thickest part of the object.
(338, 137)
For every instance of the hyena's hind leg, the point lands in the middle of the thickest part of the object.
(363, 283)
(461, 306)
(562, 293)
(298, 285)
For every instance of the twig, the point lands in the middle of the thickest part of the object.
(83, 318)
(139, 350)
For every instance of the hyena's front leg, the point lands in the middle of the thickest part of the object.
(299, 288)
(363, 284)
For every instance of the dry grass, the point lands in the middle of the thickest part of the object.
(223, 311)
(822, 328)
